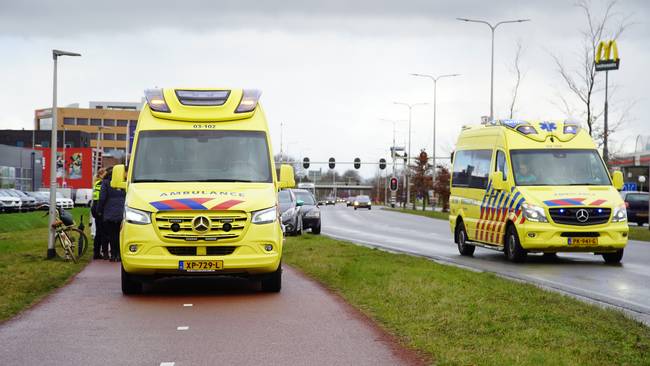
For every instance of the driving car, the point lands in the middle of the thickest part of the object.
(330, 201)
(349, 201)
(362, 201)
(309, 210)
(9, 202)
(290, 212)
(636, 204)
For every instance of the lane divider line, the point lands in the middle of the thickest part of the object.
(188, 305)
(167, 363)
(184, 327)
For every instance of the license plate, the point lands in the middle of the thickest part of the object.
(583, 241)
(200, 266)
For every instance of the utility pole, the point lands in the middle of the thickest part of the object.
(53, 147)
(408, 183)
(493, 29)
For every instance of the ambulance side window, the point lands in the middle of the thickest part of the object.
(471, 168)
(501, 164)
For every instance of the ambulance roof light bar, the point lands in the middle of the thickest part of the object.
(156, 100)
(249, 100)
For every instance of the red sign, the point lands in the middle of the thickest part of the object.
(72, 171)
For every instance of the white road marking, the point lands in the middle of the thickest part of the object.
(184, 327)
(167, 363)
(188, 305)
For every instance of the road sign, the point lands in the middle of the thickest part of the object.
(332, 163)
(305, 163)
(393, 184)
(357, 163)
(382, 163)
(630, 186)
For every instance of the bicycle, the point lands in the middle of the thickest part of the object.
(70, 243)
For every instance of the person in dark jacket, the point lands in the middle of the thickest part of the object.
(111, 207)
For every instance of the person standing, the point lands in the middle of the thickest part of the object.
(97, 219)
(111, 206)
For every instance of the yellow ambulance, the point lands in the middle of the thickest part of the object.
(535, 186)
(201, 190)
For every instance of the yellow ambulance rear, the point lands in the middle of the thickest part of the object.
(201, 190)
(541, 186)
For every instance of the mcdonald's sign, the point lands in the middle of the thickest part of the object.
(607, 56)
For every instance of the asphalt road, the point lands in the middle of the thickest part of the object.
(194, 322)
(586, 276)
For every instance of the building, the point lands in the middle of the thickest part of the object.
(635, 166)
(33, 138)
(108, 123)
(20, 168)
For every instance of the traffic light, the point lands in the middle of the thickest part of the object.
(393, 184)
(382, 163)
(332, 163)
(357, 163)
(305, 163)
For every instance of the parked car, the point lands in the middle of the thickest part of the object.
(41, 199)
(27, 203)
(309, 210)
(636, 204)
(362, 202)
(9, 202)
(290, 212)
(83, 197)
(61, 201)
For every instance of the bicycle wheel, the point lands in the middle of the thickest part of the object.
(79, 240)
(64, 247)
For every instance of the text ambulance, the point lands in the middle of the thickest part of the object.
(201, 190)
(525, 187)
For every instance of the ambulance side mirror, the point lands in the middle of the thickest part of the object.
(617, 178)
(286, 177)
(118, 179)
(497, 180)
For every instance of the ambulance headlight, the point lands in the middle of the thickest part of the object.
(139, 217)
(534, 213)
(620, 214)
(265, 216)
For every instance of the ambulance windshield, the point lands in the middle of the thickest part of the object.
(202, 156)
(561, 167)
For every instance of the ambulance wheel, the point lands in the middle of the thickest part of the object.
(613, 258)
(461, 240)
(513, 250)
(130, 286)
(272, 282)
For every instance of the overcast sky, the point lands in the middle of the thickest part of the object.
(329, 70)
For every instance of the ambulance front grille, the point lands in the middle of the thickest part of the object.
(191, 250)
(568, 215)
(224, 225)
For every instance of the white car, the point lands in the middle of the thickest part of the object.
(9, 202)
(84, 197)
(61, 201)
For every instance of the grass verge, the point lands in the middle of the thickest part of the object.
(636, 232)
(26, 276)
(462, 317)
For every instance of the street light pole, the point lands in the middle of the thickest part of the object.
(53, 147)
(493, 29)
(435, 87)
(408, 156)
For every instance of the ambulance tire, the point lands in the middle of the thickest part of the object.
(613, 258)
(130, 286)
(461, 240)
(272, 282)
(513, 250)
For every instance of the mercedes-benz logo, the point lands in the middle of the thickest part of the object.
(582, 215)
(201, 224)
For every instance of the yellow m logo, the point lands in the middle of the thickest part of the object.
(607, 56)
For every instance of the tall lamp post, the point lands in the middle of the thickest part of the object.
(408, 156)
(435, 87)
(53, 145)
(492, 28)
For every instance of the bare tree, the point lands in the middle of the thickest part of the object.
(517, 71)
(581, 80)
